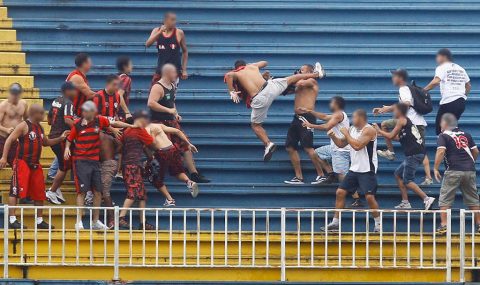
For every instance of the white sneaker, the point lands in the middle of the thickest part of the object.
(59, 195)
(169, 203)
(319, 180)
(294, 181)
(404, 205)
(89, 198)
(79, 226)
(426, 182)
(319, 69)
(119, 176)
(390, 155)
(52, 198)
(428, 202)
(98, 225)
(269, 150)
(193, 187)
(377, 229)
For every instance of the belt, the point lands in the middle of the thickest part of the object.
(261, 88)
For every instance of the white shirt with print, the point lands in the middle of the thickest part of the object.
(405, 96)
(453, 79)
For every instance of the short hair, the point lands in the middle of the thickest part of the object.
(310, 67)
(340, 101)
(111, 78)
(450, 120)
(240, 63)
(122, 62)
(81, 58)
(446, 53)
(403, 108)
(168, 14)
(166, 67)
(362, 113)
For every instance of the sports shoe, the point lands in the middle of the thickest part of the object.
(331, 228)
(269, 150)
(79, 226)
(357, 203)
(193, 187)
(294, 181)
(426, 182)
(199, 178)
(169, 203)
(319, 69)
(16, 225)
(404, 205)
(119, 176)
(89, 198)
(111, 224)
(319, 180)
(428, 202)
(59, 195)
(441, 230)
(377, 229)
(44, 226)
(123, 224)
(98, 225)
(147, 227)
(52, 198)
(390, 155)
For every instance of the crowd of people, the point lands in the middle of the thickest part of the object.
(95, 135)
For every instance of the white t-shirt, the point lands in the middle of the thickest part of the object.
(405, 95)
(364, 160)
(345, 123)
(452, 85)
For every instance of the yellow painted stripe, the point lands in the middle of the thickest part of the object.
(3, 12)
(10, 46)
(8, 35)
(25, 81)
(12, 58)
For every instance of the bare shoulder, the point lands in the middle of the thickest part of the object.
(369, 132)
(3, 104)
(180, 32)
(23, 102)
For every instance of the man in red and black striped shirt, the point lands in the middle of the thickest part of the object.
(124, 67)
(27, 178)
(79, 78)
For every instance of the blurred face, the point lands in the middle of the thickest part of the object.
(171, 75)
(396, 113)
(305, 69)
(88, 115)
(357, 120)
(70, 94)
(443, 125)
(441, 59)
(37, 115)
(143, 122)
(14, 96)
(333, 106)
(113, 86)
(170, 21)
(129, 67)
(396, 80)
(87, 65)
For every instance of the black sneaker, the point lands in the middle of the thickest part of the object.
(199, 178)
(441, 230)
(357, 203)
(294, 181)
(44, 226)
(15, 225)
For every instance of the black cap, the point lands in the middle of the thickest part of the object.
(141, 114)
(15, 89)
(402, 73)
(446, 53)
(67, 86)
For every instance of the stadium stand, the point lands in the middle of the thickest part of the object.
(358, 42)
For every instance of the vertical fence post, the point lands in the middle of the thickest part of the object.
(5, 241)
(282, 242)
(116, 254)
(449, 246)
(462, 245)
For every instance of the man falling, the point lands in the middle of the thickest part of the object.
(260, 93)
(27, 178)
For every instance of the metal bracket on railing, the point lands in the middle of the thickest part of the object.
(116, 254)
(5, 241)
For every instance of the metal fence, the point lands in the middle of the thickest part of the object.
(227, 237)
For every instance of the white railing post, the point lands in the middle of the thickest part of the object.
(449, 246)
(282, 249)
(5, 241)
(116, 254)
(462, 245)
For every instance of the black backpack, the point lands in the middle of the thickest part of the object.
(422, 102)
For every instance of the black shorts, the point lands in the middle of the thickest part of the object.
(299, 134)
(58, 150)
(364, 183)
(88, 176)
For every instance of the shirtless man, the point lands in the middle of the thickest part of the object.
(12, 112)
(78, 77)
(306, 92)
(169, 157)
(259, 94)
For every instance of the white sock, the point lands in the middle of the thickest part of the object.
(335, 221)
(12, 219)
(377, 221)
(406, 201)
(39, 220)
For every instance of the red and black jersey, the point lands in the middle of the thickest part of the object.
(107, 104)
(62, 108)
(30, 145)
(86, 137)
(169, 51)
(80, 98)
(134, 140)
(126, 86)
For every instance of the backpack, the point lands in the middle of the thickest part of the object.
(422, 102)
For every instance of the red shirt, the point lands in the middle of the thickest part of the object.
(80, 98)
(134, 140)
(30, 145)
(107, 104)
(126, 86)
(87, 138)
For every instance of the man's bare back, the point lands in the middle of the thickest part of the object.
(250, 79)
(11, 115)
(306, 95)
(160, 138)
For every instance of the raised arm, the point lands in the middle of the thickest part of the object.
(154, 35)
(394, 133)
(340, 142)
(260, 64)
(183, 45)
(20, 130)
(367, 136)
(332, 121)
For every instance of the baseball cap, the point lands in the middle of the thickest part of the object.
(89, 106)
(402, 73)
(141, 114)
(15, 89)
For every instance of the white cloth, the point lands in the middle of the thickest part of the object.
(345, 123)
(405, 95)
(364, 160)
(453, 79)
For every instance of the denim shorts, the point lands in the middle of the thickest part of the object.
(340, 159)
(406, 170)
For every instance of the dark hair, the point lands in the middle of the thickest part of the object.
(240, 63)
(362, 113)
(168, 13)
(111, 78)
(403, 108)
(122, 62)
(67, 86)
(81, 58)
(310, 67)
(446, 53)
(340, 101)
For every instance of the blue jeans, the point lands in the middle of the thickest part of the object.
(406, 170)
(52, 171)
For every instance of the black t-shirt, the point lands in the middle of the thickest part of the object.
(62, 108)
(458, 146)
(411, 139)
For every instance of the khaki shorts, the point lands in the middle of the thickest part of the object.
(466, 181)
(391, 123)
(264, 99)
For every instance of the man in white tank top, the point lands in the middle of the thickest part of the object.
(361, 177)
